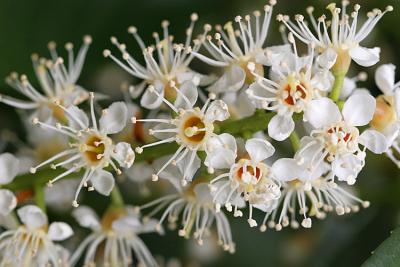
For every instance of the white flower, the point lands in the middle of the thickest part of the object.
(309, 192)
(91, 147)
(248, 180)
(172, 65)
(345, 34)
(191, 129)
(235, 48)
(337, 138)
(113, 238)
(193, 205)
(32, 244)
(387, 113)
(58, 83)
(9, 168)
(292, 86)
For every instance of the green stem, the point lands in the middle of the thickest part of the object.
(40, 197)
(337, 86)
(294, 139)
(116, 198)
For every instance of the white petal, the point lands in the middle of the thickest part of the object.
(59, 231)
(397, 102)
(280, 127)
(86, 217)
(140, 172)
(171, 173)
(136, 90)
(224, 140)
(384, 78)
(365, 57)
(349, 85)
(189, 170)
(359, 109)
(217, 111)
(259, 149)
(287, 169)
(126, 225)
(9, 167)
(346, 167)
(391, 132)
(8, 201)
(327, 59)
(202, 192)
(81, 121)
(150, 100)
(374, 141)
(231, 81)
(124, 154)
(103, 182)
(273, 55)
(189, 90)
(322, 80)
(32, 216)
(114, 118)
(322, 112)
(220, 158)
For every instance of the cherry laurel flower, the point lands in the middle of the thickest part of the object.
(344, 37)
(173, 64)
(309, 192)
(248, 180)
(191, 128)
(58, 83)
(9, 168)
(387, 113)
(194, 204)
(32, 243)
(91, 147)
(113, 239)
(337, 138)
(234, 49)
(293, 85)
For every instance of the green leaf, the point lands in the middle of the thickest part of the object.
(387, 254)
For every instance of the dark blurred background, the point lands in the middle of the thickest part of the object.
(27, 26)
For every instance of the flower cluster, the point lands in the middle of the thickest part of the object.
(213, 138)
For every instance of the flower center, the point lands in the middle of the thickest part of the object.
(110, 216)
(294, 92)
(94, 148)
(340, 138)
(385, 113)
(249, 174)
(193, 130)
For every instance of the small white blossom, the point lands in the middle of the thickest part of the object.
(91, 148)
(293, 85)
(248, 180)
(387, 113)
(191, 128)
(172, 65)
(308, 192)
(337, 138)
(234, 49)
(345, 34)
(194, 205)
(58, 83)
(113, 238)
(32, 243)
